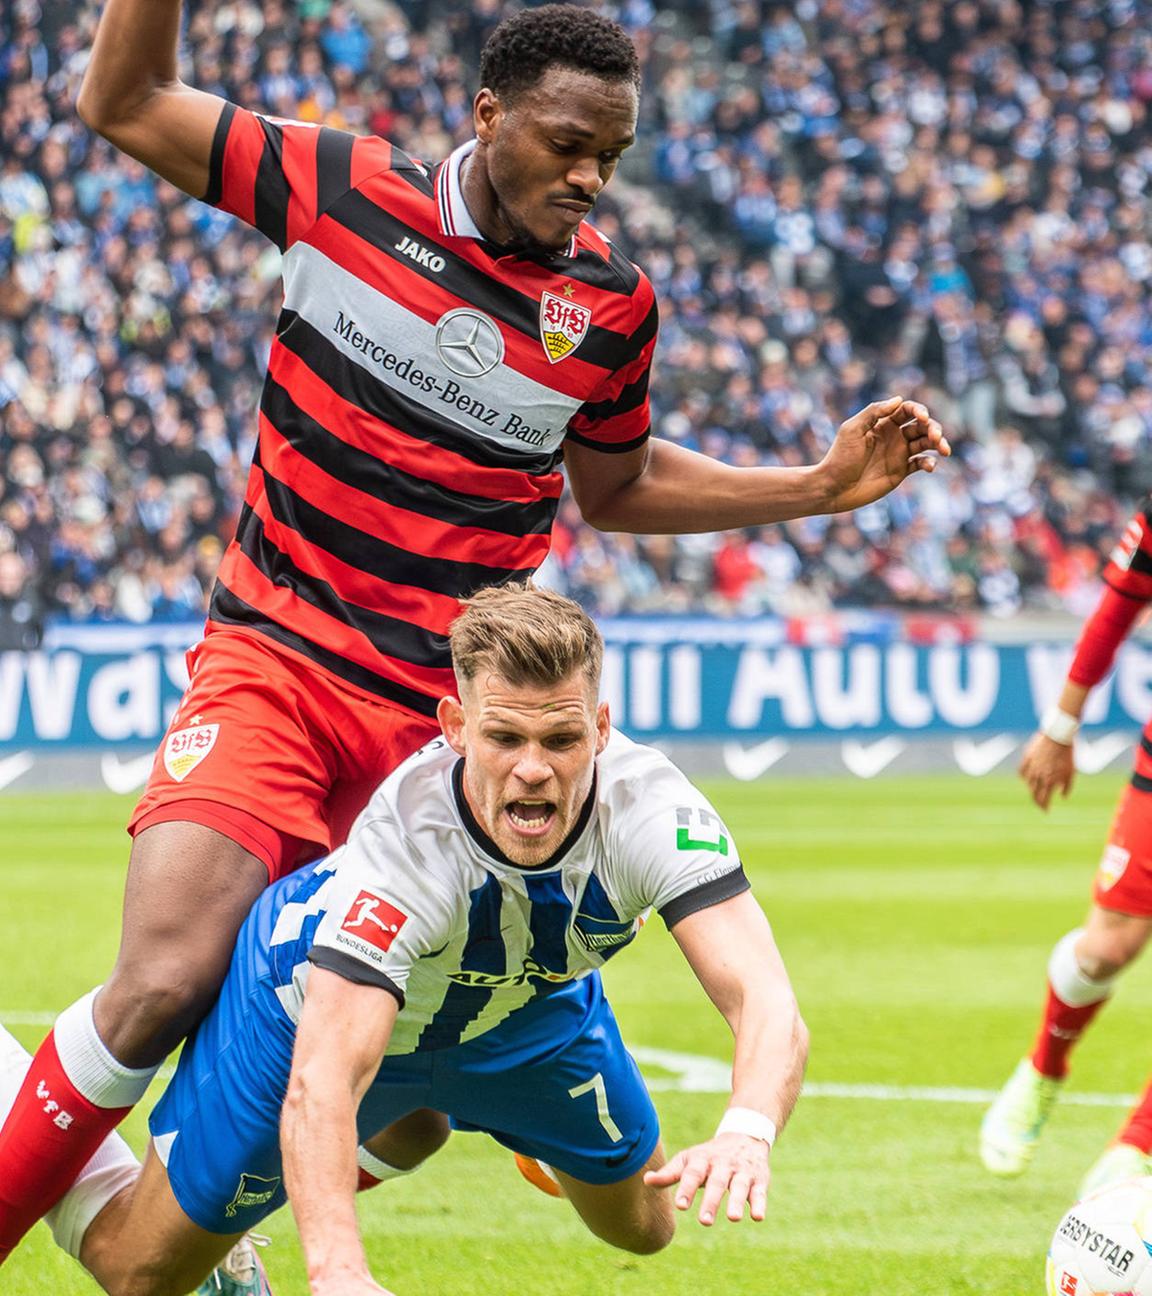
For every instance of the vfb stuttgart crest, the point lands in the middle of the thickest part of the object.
(186, 748)
(563, 325)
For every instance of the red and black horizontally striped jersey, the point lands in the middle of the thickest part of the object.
(421, 387)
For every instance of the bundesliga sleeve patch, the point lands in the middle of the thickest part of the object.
(373, 921)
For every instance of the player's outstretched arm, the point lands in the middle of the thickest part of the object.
(132, 94)
(1048, 765)
(344, 1031)
(664, 489)
(730, 948)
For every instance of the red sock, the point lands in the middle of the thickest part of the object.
(49, 1136)
(1061, 1028)
(1138, 1130)
(365, 1182)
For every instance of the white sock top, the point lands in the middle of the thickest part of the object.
(89, 1066)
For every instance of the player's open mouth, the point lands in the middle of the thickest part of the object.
(531, 818)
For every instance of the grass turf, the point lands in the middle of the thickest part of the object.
(915, 916)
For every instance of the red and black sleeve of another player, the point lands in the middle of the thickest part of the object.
(1127, 591)
(281, 176)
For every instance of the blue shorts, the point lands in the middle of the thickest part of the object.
(554, 1082)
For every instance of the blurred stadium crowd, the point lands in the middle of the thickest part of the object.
(836, 199)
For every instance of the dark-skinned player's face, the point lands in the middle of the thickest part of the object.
(551, 149)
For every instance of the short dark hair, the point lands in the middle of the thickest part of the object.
(523, 47)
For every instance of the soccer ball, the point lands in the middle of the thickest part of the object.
(1103, 1246)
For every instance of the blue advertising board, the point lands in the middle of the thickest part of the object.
(663, 680)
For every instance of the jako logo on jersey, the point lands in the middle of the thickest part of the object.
(186, 748)
(374, 920)
(1112, 865)
(420, 254)
(563, 326)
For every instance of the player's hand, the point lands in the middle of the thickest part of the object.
(1047, 767)
(876, 449)
(729, 1163)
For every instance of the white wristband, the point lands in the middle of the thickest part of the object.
(744, 1120)
(1058, 725)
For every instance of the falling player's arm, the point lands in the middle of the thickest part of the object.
(133, 96)
(731, 949)
(661, 488)
(1048, 765)
(343, 1034)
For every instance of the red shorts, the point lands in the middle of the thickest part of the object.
(1124, 878)
(272, 751)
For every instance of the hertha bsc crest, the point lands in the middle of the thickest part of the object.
(186, 748)
(563, 325)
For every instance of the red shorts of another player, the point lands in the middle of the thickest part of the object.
(1124, 878)
(273, 752)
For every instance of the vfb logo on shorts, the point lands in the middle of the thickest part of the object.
(186, 748)
(373, 921)
(1113, 864)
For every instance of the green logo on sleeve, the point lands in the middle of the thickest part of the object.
(698, 829)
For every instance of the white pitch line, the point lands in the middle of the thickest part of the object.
(694, 1073)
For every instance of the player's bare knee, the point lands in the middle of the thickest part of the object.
(1106, 949)
(653, 1234)
(145, 1010)
(145, 1282)
(1105, 954)
(411, 1140)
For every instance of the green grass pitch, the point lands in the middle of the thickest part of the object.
(916, 917)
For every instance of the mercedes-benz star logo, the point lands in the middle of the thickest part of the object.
(469, 343)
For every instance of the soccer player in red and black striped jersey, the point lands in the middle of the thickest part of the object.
(1086, 962)
(450, 335)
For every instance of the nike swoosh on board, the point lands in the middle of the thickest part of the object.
(747, 763)
(980, 758)
(866, 760)
(14, 767)
(122, 777)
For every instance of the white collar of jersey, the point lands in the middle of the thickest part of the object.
(455, 219)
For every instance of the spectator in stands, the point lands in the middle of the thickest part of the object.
(843, 197)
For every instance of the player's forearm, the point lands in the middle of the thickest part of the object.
(681, 492)
(1103, 633)
(1072, 698)
(133, 56)
(318, 1141)
(771, 1054)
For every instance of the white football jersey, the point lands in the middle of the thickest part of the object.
(422, 903)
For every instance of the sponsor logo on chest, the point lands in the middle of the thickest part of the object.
(563, 326)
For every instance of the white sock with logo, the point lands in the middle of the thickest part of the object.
(111, 1169)
(1069, 982)
(93, 1071)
